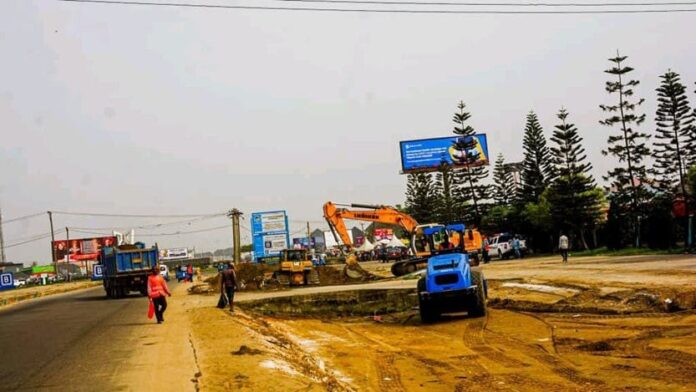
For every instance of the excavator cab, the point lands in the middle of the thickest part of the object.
(296, 268)
(454, 238)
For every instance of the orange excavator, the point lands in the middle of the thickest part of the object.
(422, 245)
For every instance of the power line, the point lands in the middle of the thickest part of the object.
(19, 218)
(28, 241)
(477, 4)
(137, 215)
(77, 230)
(385, 11)
(150, 226)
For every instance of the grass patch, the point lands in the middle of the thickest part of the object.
(626, 252)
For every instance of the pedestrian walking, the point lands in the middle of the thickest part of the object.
(563, 247)
(228, 284)
(157, 290)
(516, 247)
(189, 273)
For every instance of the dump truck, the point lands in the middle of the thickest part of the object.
(295, 268)
(126, 268)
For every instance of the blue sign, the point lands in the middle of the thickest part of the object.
(6, 281)
(270, 233)
(427, 154)
(97, 272)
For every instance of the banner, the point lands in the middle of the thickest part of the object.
(174, 253)
(269, 231)
(427, 154)
(384, 234)
(82, 248)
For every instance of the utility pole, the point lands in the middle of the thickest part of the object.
(53, 239)
(234, 214)
(67, 260)
(309, 239)
(2, 242)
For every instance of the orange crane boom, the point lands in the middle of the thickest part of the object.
(371, 213)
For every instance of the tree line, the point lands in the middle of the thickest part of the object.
(646, 200)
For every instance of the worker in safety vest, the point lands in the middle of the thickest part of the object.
(157, 290)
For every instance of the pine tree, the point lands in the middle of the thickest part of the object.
(503, 185)
(537, 171)
(421, 197)
(674, 148)
(574, 205)
(628, 146)
(469, 186)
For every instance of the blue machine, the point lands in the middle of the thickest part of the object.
(450, 283)
(126, 268)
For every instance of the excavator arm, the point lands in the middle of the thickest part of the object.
(370, 213)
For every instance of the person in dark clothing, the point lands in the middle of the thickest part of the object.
(228, 284)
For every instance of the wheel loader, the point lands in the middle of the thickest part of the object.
(295, 268)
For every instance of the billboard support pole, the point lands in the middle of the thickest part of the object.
(53, 239)
(234, 214)
(67, 261)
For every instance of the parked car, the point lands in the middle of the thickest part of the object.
(20, 282)
(501, 246)
(164, 271)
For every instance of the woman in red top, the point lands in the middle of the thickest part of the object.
(156, 290)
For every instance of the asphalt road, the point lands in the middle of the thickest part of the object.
(74, 341)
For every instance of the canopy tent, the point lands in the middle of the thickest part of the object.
(365, 247)
(396, 243)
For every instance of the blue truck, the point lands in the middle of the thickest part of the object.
(126, 267)
(450, 283)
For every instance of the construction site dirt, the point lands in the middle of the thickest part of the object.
(622, 323)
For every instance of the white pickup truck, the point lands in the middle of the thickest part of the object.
(501, 246)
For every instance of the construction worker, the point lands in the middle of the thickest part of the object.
(228, 284)
(156, 290)
(563, 247)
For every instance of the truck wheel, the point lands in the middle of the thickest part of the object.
(410, 268)
(500, 255)
(313, 277)
(478, 306)
(428, 313)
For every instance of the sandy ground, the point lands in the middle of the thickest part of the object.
(9, 297)
(593, 325)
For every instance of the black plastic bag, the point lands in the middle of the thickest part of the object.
(222, 302)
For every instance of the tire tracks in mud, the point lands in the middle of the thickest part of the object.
(551, 360)
(304, 362)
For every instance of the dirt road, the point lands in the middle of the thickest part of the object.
(596, 324)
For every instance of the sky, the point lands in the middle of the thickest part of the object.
(156, 110)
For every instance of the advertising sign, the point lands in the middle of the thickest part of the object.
(42, 269)
(174, 254)
(384, 234)
(6, 281)
(303, 242)
(270, 234)
(427, 154)
(82, 248)
(97, 272)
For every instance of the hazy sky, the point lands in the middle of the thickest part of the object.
(126, 109)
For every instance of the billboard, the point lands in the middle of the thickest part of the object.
(270, 233)
(82, 248)
(427, 154)
(175, 253)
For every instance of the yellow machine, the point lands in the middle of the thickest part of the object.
(295, 268)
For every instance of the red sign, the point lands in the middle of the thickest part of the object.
(384, 234)
(82, 248)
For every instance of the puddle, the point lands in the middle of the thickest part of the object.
(541, 288)
(280, 366)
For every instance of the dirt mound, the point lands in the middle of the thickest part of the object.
(339, 304)
(245, 350)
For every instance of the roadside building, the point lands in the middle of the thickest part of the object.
(11, 267)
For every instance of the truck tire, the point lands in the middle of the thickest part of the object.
(478, 303)
(427, 310)
(283, 279)
(312, 277)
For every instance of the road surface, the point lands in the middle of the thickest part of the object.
(83, 341)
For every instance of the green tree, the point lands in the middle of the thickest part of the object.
(503, 185)
(537, 171)
(421, 197)
(469, 181)
(628, 146)
(445, 211)
(674, 146)
(574, 207)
